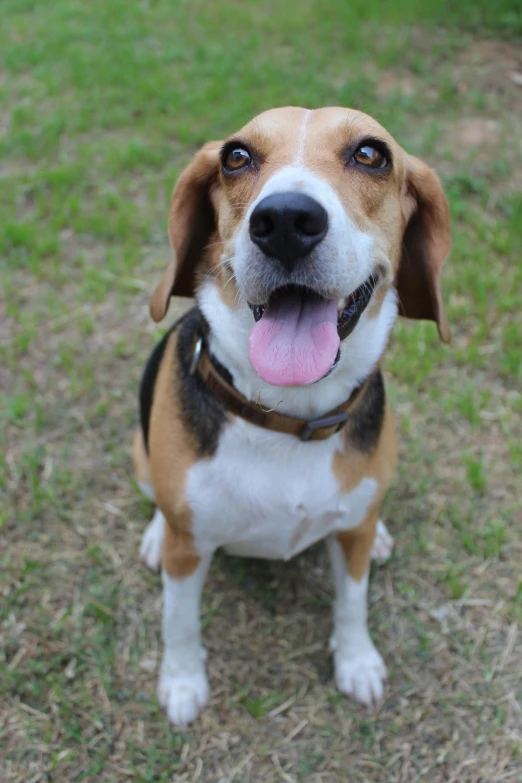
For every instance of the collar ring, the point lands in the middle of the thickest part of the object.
(196, 353)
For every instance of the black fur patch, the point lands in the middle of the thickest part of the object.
(365, 423)
(203, 415)
(148, 382)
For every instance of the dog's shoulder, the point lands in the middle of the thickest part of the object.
(369, 440)
(148, 383)
(174, 392)
(202, 413)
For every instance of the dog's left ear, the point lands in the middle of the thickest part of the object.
(191, 223)
(425, 245)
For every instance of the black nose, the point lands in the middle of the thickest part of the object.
(288, 226)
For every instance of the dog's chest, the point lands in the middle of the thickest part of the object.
(264, 494)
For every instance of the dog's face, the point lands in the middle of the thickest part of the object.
(303, 221)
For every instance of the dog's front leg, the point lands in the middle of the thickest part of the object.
(183, 687)
(359, 669)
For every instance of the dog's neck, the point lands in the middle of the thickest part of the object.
(229, 330)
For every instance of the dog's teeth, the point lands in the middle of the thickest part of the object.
(341, 303)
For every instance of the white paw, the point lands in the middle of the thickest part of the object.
(383, 543)
(152, 541)
(361, 676)
(183, 696)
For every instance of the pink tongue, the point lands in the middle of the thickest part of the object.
(296, 340)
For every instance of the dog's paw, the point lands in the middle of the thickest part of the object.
(383, 543)
(152, 541)
(183, 696)
(361, 676)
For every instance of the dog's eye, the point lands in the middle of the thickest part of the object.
(236, 159)
(370, 157)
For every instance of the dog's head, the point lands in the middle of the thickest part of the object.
(305, 220)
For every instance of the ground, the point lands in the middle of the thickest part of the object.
(101, 106)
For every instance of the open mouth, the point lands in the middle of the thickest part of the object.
(296, 337)
(351, 308)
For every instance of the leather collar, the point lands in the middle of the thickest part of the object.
(319, 428)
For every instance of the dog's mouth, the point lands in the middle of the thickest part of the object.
(296, 337)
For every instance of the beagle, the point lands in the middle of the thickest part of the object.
(264, 421)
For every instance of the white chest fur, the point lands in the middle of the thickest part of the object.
(264, 494)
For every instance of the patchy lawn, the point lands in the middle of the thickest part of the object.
(101, 105)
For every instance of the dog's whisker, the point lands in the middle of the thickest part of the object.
(217, 267)
(232, 277)
(225, 262)
(214, 244)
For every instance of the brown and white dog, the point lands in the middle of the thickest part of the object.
(265, 426)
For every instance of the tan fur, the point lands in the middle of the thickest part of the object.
(357, 545)
(350, 467)
(172, 453)
(179, 557)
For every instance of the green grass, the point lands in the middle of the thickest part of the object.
(103, 103)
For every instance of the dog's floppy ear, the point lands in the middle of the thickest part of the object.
(191, 222)
(425, 245)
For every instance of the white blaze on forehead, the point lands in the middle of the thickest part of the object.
(299, 154)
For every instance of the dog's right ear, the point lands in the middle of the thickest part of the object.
(191, 223)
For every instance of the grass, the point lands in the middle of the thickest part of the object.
(102, 105)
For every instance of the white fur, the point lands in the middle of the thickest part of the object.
(183, 687)
(264, 494)
(359, 669)
(300, 146)
(152, 541)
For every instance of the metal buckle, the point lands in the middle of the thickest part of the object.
(196, 353)
(326, 421)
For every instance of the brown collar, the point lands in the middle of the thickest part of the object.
(306, 429)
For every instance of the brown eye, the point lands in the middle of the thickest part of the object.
(236, 159)
(370, 157)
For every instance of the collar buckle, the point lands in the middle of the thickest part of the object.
(326, 421)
